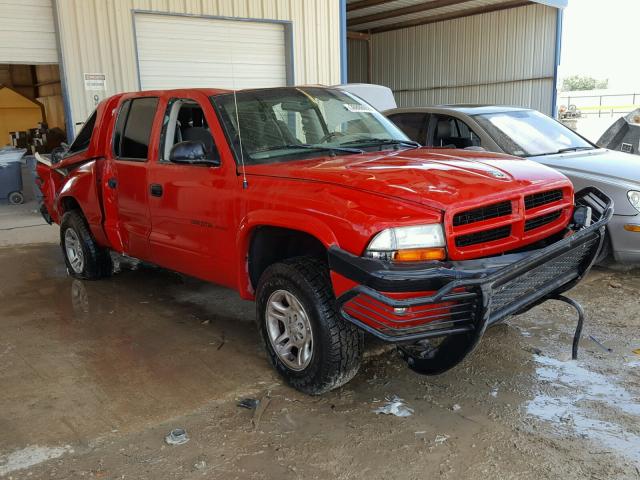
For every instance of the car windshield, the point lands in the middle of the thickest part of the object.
(284, 124)
(529, 133)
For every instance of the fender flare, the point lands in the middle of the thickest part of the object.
(274, 218)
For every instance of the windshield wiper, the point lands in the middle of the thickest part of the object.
(573, 149)
(383, 141)
(308, 146)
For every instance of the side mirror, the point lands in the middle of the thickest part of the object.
(192, 153)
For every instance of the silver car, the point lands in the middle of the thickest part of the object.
(528, 133)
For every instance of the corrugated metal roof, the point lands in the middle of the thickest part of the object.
(380, 15)
(505, 57)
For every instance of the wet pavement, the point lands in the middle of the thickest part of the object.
(93, 375)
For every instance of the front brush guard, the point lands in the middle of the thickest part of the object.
(502, 286)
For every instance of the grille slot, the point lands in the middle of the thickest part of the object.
(483, 236)
(483, 213)
(542, 198)
(537, 222)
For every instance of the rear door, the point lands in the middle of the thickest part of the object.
(126, 201)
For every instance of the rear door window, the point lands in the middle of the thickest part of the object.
(451, 132)
(412, 124)
(133, 128)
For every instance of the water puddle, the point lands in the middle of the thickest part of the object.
(30, 456)
(587, 403)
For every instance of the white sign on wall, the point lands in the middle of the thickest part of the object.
(95, 82)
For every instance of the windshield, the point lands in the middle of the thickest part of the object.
(284, 124)
(528, 133)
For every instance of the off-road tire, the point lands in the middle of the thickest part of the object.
(97, 260)
(337, 344)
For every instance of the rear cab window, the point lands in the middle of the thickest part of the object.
(83, 139)
(133, 128)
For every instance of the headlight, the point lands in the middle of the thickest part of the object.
(634, 198)
(409, 244)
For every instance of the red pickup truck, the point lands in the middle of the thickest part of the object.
(314, 205)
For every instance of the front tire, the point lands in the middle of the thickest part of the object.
(307, 342)
(84, 258)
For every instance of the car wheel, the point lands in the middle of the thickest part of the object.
(84, 258)
(16, 198)
(307, 342)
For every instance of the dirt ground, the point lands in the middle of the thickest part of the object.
(93, 375)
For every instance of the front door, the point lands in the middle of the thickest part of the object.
(126, 201)
(191, 203)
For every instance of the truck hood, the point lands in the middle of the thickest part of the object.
(437, 178)
(608, 165)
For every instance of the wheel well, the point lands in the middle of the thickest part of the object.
(69, 203)
(270, 245)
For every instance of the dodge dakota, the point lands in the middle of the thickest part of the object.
(314, 205)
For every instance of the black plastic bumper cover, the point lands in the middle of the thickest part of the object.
(486, 290)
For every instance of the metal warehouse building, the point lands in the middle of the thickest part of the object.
(70, 54)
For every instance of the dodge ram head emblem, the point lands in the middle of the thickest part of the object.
(497, 173)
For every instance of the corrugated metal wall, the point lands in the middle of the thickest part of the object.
(504, 57)
(27, 33)
(97, 36)
(357, 61)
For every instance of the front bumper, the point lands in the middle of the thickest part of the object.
(466, 297)
(625, 244)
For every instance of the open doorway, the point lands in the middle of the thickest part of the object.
(31, 107)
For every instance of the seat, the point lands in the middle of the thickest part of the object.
(443, 137)
(199, 134)
(443, 133)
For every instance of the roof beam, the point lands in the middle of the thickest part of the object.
(365, 3)
(358, 35)
(452, 16)
(398, 12)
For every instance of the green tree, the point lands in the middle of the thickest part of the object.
(581, 82)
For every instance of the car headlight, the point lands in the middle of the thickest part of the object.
(634, 199)
(409, 244)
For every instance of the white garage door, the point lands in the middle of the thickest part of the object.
(27, 32)
(178, 52)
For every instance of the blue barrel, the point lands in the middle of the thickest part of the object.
(11, 182)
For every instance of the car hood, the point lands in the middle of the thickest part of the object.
(611, 166)
(438, 178)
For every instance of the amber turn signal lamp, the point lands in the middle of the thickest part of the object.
(632, 228)
(419, 255)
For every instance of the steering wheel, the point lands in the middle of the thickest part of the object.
(331, 135)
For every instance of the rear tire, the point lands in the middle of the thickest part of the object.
(298, 293)
(84, 258)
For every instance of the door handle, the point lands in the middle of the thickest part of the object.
(155, 189)
(112, 182)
